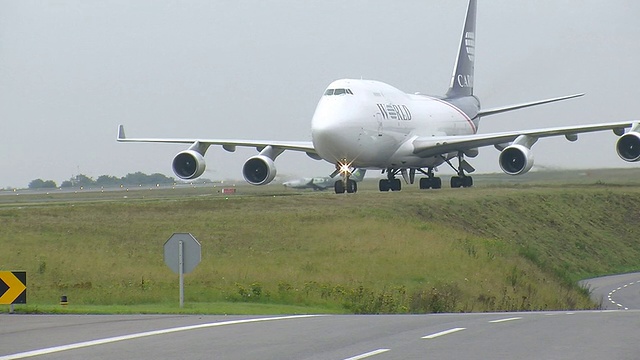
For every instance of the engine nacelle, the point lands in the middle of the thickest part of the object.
(259, 170)
(188, 164)
(516, 159)
(628, 146)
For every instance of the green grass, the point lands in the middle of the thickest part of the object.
(215, 308)
(271, 251)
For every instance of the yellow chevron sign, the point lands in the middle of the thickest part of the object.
(13, 287)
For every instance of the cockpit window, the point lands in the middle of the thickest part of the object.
(338, 92)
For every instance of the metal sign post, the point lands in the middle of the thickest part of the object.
(181, 266)
(182, 254)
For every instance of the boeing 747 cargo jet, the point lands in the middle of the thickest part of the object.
(366, 124)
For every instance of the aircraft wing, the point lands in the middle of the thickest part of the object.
(227, 144)
(432, 146)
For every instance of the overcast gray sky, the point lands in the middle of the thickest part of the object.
(72, 70)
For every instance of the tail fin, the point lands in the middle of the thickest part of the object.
(462, 78)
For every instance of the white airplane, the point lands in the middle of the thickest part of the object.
(322, 183)
(366, 124)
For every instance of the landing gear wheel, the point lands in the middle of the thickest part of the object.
(339, 187)
(352, 186)
(430, 183)
(464, 181)
(395, 185)
(456, 182)
(436, 183)
(383, 185)
(426, 183)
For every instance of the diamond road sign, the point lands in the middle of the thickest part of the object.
(190, 252)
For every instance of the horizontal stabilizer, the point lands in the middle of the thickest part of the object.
(499, 110)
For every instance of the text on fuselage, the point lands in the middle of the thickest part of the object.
(394, 112)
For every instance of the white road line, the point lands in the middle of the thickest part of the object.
(441, 333)
(610, 297)
(140, 335)
(369, 354)
(505, 320)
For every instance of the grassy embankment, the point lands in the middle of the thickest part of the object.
(482, 249)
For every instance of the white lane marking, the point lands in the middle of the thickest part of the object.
(441, 333)
(369, 354)
(83, 344)
(505, 320)
(610, 297)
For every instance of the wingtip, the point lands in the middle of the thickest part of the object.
(121, 135)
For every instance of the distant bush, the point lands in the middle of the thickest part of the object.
(137, 178)
(42, 184)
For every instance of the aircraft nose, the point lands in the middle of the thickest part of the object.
(333, 138)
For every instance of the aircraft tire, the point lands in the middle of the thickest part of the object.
(436, 183)
(426, 183)
(339, 187)
(456, 182)
(396, 185)
(383, 185)
(352, 186)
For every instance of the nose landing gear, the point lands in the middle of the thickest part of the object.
(345, 184)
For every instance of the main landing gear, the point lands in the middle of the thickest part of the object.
(461, 180)
(390, 183)
(393, 184)
(430, 181)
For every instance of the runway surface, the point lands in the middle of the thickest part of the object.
(611, 334)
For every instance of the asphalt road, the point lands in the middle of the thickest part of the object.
(618, 292)
(547, 335)
(611, 334)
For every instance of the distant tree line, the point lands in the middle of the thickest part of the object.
(137, 178)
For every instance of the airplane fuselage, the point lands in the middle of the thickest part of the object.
(370, 124)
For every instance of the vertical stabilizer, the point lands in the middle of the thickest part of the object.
(462, 78)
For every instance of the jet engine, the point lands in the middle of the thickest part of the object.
(516, 159)
(628, 146)
(259, 170)
(188, 164)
